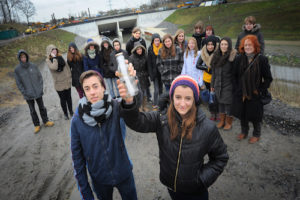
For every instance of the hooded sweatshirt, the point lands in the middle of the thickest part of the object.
(29, 79)
(113, 61)
(140, 65)
(105, 58)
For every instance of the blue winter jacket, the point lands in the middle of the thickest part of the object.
(101, 149)
(92, 64)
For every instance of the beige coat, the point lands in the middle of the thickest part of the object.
(62, 80)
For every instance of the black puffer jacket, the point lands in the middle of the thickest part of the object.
(130, 44)
(105, 59)
(140, 65)
(113, 66)
(194, 176)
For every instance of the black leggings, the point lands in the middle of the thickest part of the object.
(65, 99)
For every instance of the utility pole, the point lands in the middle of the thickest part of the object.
(89, 13)
(109, 4)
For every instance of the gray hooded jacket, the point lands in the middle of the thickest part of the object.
(29, 79)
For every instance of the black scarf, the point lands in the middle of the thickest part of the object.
(61, 63)
(251, 76)
(97, 113)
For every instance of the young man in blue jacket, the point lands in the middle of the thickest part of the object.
(97, 142)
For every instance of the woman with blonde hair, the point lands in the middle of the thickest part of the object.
(179, 39)
(62, 79)
(169, 61)
(190, 57)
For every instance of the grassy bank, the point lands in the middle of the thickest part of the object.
(35, 45)
(279, 18)
(19, 27)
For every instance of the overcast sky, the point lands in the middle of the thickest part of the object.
(62, 8)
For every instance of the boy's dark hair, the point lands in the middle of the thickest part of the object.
(90, 73)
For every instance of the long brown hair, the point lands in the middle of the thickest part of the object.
(168, 52)
(188, 122)
(74, 57)
(195, 49)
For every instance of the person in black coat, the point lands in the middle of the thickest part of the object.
(108, 75)
(136, 37)
(154, 74)
(199, 33)
(139, 60)
(252, 77)
(184, 137)
(221, 81)
(75, 61)
(251, 28)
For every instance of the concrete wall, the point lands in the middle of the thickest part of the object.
(152, 19)
(87, 30)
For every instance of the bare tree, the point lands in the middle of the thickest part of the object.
(10, 5)
(3, 11)
(27, 8)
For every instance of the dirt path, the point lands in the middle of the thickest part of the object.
(35, 167)
(39, 166)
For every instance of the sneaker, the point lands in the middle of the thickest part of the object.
(37, 129)
(49, 123)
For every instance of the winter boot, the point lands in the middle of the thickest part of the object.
(228, 124)
(222, 120)
(37, 129)
(49, 123)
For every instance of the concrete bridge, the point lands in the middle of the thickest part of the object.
(118, 24)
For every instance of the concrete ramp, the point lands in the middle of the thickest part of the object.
(87, 30)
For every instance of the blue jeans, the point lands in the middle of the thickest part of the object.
(110, 84)
(183, 196)
(126, 189)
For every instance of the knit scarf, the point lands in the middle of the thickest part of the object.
(91, 53)
(96, 113)
(156, 49)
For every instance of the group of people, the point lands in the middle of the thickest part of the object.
(184, 69)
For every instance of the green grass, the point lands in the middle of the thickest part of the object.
(35, 46)
(285, 60)
(279, 18)
(19, 27)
